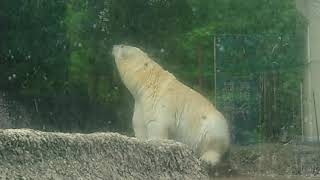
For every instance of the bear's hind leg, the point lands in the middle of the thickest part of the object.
(212, 157)
(156, 130)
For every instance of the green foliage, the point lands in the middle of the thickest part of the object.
(30, 26)
(279, 30)
(60, 51)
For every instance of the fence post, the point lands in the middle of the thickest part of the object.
(215, 68)
(311, 10)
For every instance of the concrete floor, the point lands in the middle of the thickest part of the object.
(267, 178)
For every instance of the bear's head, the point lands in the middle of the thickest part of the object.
(130, 62)
(128, 53)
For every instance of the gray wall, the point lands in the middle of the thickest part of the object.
(311, 10)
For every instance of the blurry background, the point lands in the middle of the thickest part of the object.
(248, 57)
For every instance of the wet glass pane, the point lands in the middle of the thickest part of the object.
(234, 86)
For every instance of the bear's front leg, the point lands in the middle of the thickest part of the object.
(157, 130)
(138, 122)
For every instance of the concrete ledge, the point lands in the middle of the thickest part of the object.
(29, 154)
(276, 159)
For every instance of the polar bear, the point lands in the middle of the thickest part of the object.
(165, 108)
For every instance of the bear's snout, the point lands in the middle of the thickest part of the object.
(116, 46)
(119, 46)
(115, 50)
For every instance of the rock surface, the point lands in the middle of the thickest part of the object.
(276, 159)
(29, 154)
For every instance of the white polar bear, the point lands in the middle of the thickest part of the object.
(167, 109)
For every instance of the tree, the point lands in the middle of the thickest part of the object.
(58, 54)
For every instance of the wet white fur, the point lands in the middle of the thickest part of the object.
(167, 109)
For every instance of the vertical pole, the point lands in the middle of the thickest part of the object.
(311, 11)
(301, 111)
(316, 116)
(200, 67)
(215, 67)
(260, 106)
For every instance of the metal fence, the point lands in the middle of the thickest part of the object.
(258, 80)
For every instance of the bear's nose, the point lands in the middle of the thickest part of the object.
(118, 46)
(115, 48)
